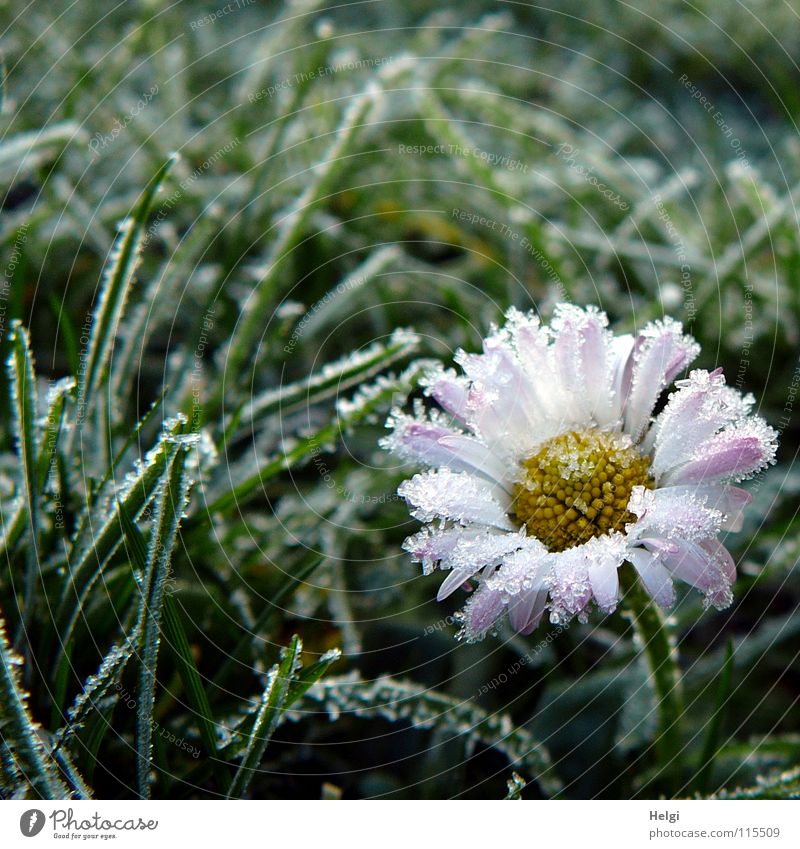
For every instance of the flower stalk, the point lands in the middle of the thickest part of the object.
(654, 639)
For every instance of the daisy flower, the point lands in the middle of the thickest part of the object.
(546, 471)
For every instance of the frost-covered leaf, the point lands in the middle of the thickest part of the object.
(24, 757)
(117, 280)
(171, 498)
(273, 703)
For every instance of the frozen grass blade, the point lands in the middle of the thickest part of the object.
(101, 532)
(273, 702)
(404, 701)
(290, 229)
(369, 400)
(25, 752)
(25, 152)
(117, 281)
(331, 380)
(175, 636)
(171, 500)
(516, 784)
(23, 418)
(782, 785)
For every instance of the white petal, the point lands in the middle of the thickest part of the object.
(473, 553)
(461, 497)
(660, 353)
(655, 577)
(449, 391)
(525, 610)
(701, 567)
(673, 511)
(430, 443)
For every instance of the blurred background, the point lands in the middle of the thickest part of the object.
(345, 171)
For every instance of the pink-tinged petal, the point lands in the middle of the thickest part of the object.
(729, 501)
(597, 370)
(449, 391)
(480, 614)
(660, 353)
(474, 455)
(654, 576)
(736, 453)
(430, 546)
(721, 557)
(431, 443)
(655, 545)
(523, 569)
(460, 497)
(570, 590)
(701, 406)
(623, 351)
(732, 501)
(705, 569)
(537, 611)
(583, 361)
(525, 610)
(502, 407)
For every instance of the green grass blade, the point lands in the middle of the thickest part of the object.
(171, 500)
(19, 732)
(331, 380)
(309, 675)
(117, 281)
(406, 701)
(369, 400)
(23, 422)
(102, 532)
(175, 636)
(273, 702)
(290, 230)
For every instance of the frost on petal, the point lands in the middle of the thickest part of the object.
(473, 553)
(621, 359)
(702, 405)
(448, 495)
(428, 442)
(655, 577)
(503, 406)
(726, 500)
(431, 546)
(703, 566)
(660, 353)
(670, 512)
(734, 454)
(583, 573)
(480, 614)
(449, 390)
(583, 361)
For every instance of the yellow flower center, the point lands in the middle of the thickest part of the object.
(577, 486)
